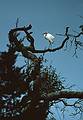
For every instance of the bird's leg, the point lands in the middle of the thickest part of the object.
(50, 45)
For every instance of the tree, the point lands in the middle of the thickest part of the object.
(29, 91)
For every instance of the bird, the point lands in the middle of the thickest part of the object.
(49, 37)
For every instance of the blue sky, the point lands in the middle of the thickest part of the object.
(52, 16)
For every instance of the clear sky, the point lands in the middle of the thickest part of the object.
(52, 16)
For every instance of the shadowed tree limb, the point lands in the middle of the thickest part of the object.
(19, 46)
(13, 36)
(63, 94)
(63, 42)
(31, 39)
(52, 50)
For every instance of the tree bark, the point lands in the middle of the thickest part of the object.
(63, 94)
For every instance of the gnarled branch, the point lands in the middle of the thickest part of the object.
(63, 94)
(19, 46)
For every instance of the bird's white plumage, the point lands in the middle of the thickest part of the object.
(49, 37)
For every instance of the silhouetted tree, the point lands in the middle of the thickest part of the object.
(29, 91)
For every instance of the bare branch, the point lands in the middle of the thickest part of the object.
(31, 40)
(17, 21)
(63, 94)
(19, 46)
(52, 50)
